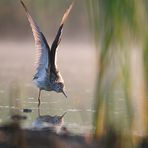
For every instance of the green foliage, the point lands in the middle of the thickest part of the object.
(118, 27)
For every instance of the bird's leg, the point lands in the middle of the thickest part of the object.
(39, 112)
(39, 102)
(39, 98)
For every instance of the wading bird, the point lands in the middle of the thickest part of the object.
(47, 76)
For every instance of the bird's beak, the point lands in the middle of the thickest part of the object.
(63, 115)
(64, 93)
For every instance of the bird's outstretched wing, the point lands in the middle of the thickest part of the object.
(43, 50)
(58, 39)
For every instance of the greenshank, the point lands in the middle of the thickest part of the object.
(47, 76)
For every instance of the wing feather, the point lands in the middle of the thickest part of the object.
(43, 50)
(58, 39)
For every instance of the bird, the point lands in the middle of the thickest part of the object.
(47, 76)
(48, 121)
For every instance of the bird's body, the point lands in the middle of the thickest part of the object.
(47, 82)
(47, 76)
(43, 81)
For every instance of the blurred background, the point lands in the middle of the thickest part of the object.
(103, 58)
(47, 13)
(121, 102)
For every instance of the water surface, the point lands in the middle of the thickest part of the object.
(17, 91)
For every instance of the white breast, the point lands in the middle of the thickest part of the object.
(41, 80)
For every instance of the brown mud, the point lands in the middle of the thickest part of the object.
(13, 136)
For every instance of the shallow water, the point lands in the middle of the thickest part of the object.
(77, 65)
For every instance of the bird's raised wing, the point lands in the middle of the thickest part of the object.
(43, 50)
(58, 39)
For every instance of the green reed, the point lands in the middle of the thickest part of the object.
(119, 29)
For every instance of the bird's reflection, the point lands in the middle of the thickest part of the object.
(54, 123)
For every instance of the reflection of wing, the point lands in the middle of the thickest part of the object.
(43, 50)
(58, 39)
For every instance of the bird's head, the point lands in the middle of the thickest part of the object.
(58, 120)
(59, 88)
